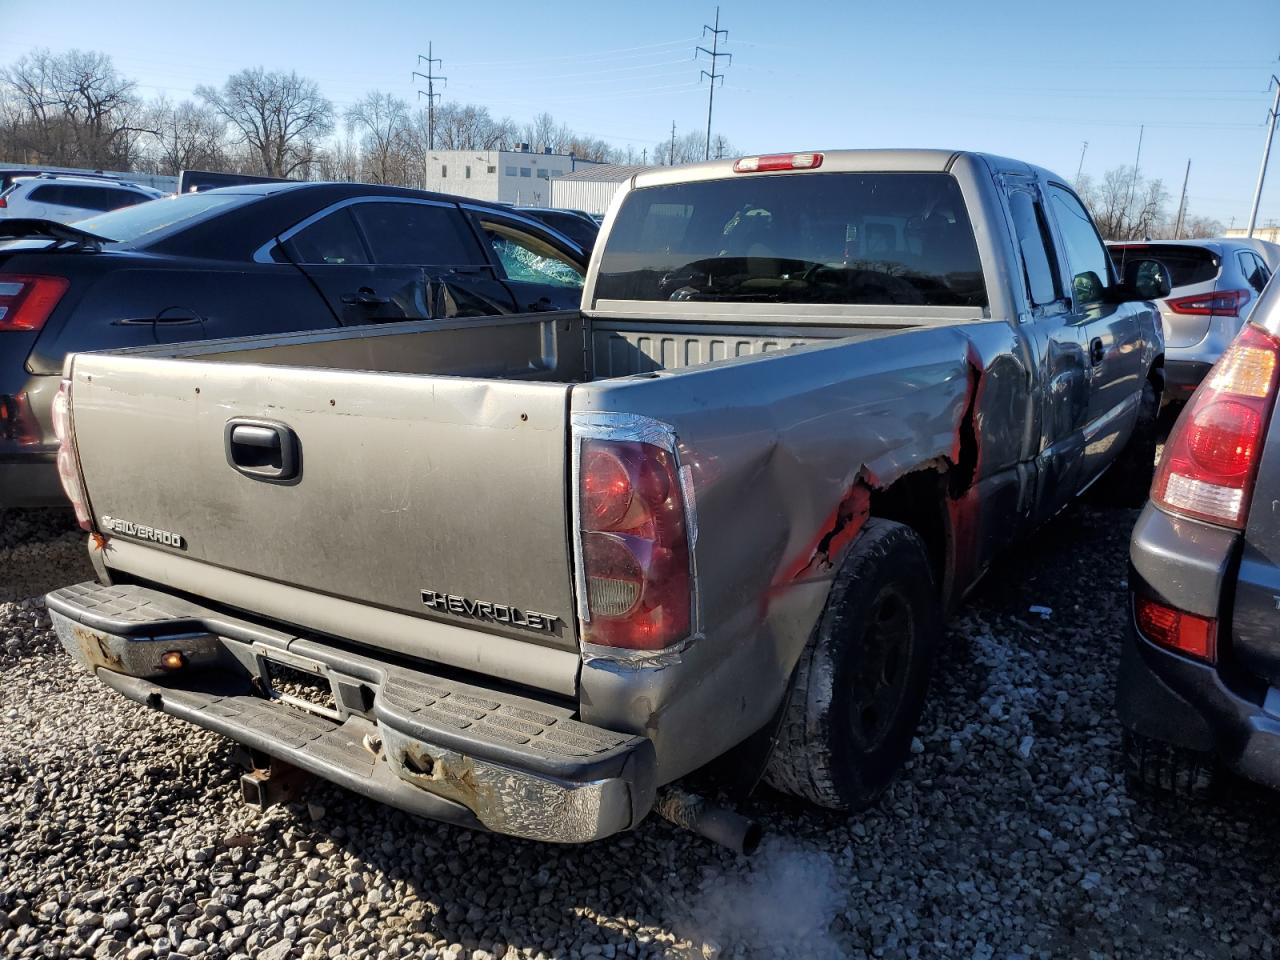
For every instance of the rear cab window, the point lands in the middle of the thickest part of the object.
(1187, 265)
(833, 238)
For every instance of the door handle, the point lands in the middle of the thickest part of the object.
(541, 305)
(262, 450)
(365, 297)
(1096, 353)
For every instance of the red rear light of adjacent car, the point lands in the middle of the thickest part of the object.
(1211, 457)
(1176, 629)
(26, 301)
(17, 422)
(68, 460)
(778, 161)
(634, 545)
(1223, 303)
(4, 201)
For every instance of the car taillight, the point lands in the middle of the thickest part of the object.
(1222, 303)
(634, 545)
(68, 461)
(4, 202)
(27, 301)
(1211, 457)
(778, 161)
(17, 422)
(1176, 629)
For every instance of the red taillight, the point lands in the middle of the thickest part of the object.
(778, 161)
(68, 461)
(27, 301)
(1176, 629)
(17, 422)
(635, 546)
(4, 202)
(1211, 457)
(1223, 303)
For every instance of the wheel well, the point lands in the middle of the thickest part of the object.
(918, 500)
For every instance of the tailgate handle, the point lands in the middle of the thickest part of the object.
(263, 450)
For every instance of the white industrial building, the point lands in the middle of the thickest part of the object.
(591, 188)
(519, 176)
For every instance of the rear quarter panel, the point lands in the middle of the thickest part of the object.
(775, 444)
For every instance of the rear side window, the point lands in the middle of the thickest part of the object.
(418, 233)
(332, 239)
(837, 238)
(1187, 265)
(1255, 271)
(1032, 234)
(85, 197)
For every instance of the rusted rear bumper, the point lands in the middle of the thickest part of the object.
(432, 745)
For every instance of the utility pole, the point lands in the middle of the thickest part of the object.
(1182, 204)
(644, 156)
(431, 77)
(1084, 145)
(714, 75)
(1266, 153)
(1133, 183)
(671, 160)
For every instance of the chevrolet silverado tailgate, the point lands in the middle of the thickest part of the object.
(423, 514)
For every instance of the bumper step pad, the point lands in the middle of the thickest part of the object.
(453, 751)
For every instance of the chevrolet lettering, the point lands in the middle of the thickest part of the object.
(484, 610)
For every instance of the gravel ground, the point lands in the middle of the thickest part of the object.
(1010, 834)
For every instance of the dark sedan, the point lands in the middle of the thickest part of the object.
(254, 259)
(1199, 688)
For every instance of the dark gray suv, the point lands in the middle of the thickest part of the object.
(1199, 687)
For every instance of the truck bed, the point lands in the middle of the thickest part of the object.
(562, 347)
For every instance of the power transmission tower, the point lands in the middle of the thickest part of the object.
(1084, 145)
(1182, 204)
(1266, 153)
(715, 55)
(431, 77)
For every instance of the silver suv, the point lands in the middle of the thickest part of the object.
(1215, 286)
(68, 198)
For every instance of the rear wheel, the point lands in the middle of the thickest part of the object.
(1164, 768)
(857, 693)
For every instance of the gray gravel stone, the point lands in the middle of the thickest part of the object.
(1010, 833)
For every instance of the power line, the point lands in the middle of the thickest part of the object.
(431, 77)
(713, 76)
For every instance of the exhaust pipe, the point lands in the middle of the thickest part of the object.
(718, 824)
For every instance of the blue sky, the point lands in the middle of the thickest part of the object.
(1029, 80)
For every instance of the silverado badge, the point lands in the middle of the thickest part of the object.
(140, 531)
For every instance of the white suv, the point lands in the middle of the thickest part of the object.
(67, 198)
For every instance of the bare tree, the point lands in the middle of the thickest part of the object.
(70, 109)
(280, 116)
(382, 123)
(187, 136)
(1126, 206)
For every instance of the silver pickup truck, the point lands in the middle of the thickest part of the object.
(524, 572)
